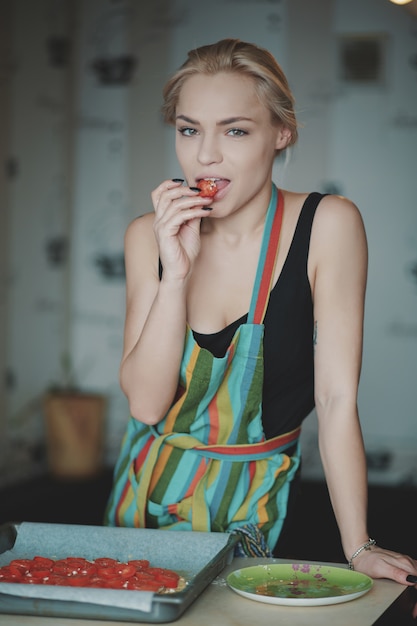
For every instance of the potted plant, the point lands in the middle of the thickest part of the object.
(74, 423)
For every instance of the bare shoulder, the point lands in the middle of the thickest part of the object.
(141, 250)
(332, 212)
(140, 239)
(337, 225)
(335, 213)
(338, 245)
(140, 230)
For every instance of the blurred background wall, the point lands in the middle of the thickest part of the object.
(82, 145)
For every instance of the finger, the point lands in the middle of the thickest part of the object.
(173, 183)
(171, 214)
(170, 204)
(190, 215)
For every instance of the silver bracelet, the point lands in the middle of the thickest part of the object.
(365, 546)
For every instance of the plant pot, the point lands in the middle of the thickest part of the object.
(74, 433)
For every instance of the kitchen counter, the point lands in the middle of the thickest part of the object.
(219, 605)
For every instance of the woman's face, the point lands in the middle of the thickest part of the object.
(224, 132)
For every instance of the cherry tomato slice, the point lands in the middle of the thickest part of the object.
(16, 571)
(114, 583)
(22, 564)
(89, 569)
(77, 581)
(77, 560)
(140, 584)
(208, 188)
(62, 568)
(10, 574)
(39, 573)
(106, 572)
(106, 562)
(29, 580)
(55, 579)
(95, 581)
(126, 570)
(139, 563)
(167, 578)
(75, 564)
(42, 561)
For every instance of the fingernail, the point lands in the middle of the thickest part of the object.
(177, 180)
(207, 208)
(411, 578)
(195, 189)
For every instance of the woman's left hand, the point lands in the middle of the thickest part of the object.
(381, 563)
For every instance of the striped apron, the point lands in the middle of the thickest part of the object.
(207, 465)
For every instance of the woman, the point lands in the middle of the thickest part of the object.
(244, 311)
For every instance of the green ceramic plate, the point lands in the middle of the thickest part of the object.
(299, 584)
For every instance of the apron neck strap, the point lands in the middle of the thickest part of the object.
(267, 259)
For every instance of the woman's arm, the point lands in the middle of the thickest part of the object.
(339, 256)
(154, 327)
(155, 321)
(340, 253)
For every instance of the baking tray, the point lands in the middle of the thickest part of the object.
(198, 556)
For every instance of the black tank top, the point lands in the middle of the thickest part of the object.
(288, 390)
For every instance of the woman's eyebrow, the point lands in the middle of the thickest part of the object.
(186, 119)
(225, 122)
(233, 120)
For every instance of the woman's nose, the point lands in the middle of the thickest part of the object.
(209, 150)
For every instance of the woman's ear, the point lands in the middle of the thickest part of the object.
(283, 138)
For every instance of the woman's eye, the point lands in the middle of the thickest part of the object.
(187, 132)
(237, 132)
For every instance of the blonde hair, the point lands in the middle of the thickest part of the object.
(233, 55)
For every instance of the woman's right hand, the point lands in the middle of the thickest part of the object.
(178, 213)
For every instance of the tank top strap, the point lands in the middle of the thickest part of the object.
(300, 244)
(267, 258)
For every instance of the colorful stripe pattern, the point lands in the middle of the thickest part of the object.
(267, 261)
(207, 465)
